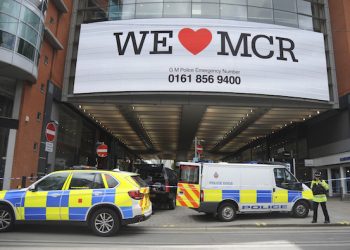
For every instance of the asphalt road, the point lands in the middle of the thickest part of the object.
(184, 228)
(136, 237)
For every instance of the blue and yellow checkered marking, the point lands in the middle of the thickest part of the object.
(231, 194)
(253, 196)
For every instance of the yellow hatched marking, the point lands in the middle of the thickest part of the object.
(35, 199)
(2, 194)
(212, 195)
(280, 196)
(247, 196)
(191, 196)
(53, 213)
(80, 198)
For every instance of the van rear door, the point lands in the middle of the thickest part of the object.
(188, 188)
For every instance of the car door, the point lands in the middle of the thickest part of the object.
(84, 190)
(285, 191)
(42, 199)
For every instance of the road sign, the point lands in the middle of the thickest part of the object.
(50, 131)
(199, 149)
(102, 150)
(49, 147)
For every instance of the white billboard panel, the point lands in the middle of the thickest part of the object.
(201, 55)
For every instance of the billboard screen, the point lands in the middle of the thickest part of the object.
(201, 55)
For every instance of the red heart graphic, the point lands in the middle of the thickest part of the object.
(195, 41)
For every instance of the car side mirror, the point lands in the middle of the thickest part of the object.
(32, 188)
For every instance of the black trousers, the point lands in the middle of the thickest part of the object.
(324, 210)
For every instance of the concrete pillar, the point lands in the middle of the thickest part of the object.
(12, 137)
(329, 177)
(343, 181)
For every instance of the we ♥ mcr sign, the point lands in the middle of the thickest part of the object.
(201, 56)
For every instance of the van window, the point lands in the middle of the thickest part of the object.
(284, 179)
(189, 174)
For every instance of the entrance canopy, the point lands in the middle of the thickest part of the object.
(164, 127)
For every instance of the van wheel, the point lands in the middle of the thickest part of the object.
(300, 209)
(226, 212)
(7, 219)
(104, 222)
(172, 203)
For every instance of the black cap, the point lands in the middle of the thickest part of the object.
(317, 174)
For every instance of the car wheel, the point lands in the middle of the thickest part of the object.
(104, 222)
(226, 212)
(300, 209)
(172, 203)
(7, 219)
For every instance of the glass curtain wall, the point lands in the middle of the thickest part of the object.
(21, 29)
(294, 13)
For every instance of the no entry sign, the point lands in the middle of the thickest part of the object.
(199, 149)
(102, 150)
(50, 131)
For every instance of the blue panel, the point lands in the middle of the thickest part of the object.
(35, 213)
(78, 213)
(65, 198)
(230, 194)
(97, 195)
(53, 201)
(127, 212)
(15, 197)
(109, 195)
(293, 195)
(264, 196)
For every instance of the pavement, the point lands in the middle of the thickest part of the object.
(181, 217)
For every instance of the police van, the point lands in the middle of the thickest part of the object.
(226, 189)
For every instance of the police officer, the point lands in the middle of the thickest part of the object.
(319, 189)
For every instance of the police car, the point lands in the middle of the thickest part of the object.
(105, 200)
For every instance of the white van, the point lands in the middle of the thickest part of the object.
(226, 189)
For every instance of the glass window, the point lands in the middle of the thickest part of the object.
(207, 10)
(30, 18)
(260, 3)
(149, 10)
(139, 181)
(205, 1)
(242, 2)
(189, 174)
(260, 15)
(287, 5)
(86, 181)
(26, 49)
(7, 41)
(177, 9)
(284, 179)
(10, 7)
(128, 11)
(111, 182)
(335, 176)
(28, 33)
(304, 7)
(235, 12)
(285, 18)
(8, 23)
(305, 22)
(52, 182)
